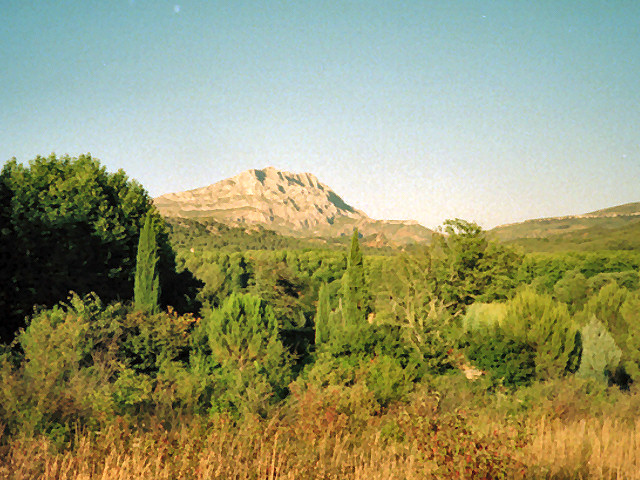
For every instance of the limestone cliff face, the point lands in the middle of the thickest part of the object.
(284, 201)
(289, 203)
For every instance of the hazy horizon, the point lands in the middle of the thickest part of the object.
(494, 112)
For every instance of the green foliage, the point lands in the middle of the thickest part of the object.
(628, 279)
(600, 354)
(64, 370)
(469, 268)
(544, 270)
(546, 326)
(483, 316)
(354, 296)
(407, 301)
(238, 348)
(323, 311)
(206, 234)
(71, 225)
(619, 311)
(511, 361)
(285, 290)
(84, 363)
(147, 282)
(571, 289)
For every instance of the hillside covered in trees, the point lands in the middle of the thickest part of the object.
(200, 350)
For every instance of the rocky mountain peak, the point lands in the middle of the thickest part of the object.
(282, 200)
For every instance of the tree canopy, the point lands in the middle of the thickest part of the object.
(68, 224)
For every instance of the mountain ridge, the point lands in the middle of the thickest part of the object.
(295, 204)
(599, 223)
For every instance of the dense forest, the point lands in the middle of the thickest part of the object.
(141, 347)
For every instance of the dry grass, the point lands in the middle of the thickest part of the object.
(588, 448)
(218, 454)
(312, 441)
(408, 443)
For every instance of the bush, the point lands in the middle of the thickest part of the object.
(240, 356)
(600, 354)
(63, 375)
(508, 360)
(619, 311)
(83, 363)
(544, 325)
(484, 315)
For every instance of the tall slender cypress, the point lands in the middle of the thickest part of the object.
(353, 284)
(146, 290)
(323, 311)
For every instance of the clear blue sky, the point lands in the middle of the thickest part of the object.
(492, 111)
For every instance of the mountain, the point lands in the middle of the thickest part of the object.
(610, 228)
(296, 204)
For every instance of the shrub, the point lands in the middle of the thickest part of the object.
(571, 289)
(484, 315)
(619, 311)
(84, 363)
(600, 354)
(63, 375)
(509, 360)
(546, 326)
(238, 348)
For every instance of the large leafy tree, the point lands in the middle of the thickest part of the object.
(68, 224)
(467, 267)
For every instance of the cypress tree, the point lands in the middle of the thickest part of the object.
(146, 290)
(323, 311)
(353, 284)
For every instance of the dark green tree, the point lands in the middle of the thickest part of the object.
(71, 225)
(323, 312)
(146, 289)
(354, 295)
(469, 268)
(546, 326)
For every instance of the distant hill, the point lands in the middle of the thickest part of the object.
(610, 228)
(294, 204)
(626, 209)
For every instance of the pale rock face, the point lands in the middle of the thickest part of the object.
(283, 200)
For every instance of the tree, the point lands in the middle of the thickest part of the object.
(546, 326)
(147, 282)
(239, 348)
(71, 225)
(600, 354)
(323, 312)
(619, 311)
(469, 268)
(353, 284)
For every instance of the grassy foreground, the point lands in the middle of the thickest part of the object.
(309, 439)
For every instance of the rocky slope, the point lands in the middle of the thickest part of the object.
(290, 203)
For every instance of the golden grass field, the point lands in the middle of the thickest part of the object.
(406, 442)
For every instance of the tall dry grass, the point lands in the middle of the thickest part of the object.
(308, 441)
(217, 454)
(311, 440)
(588, 448)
